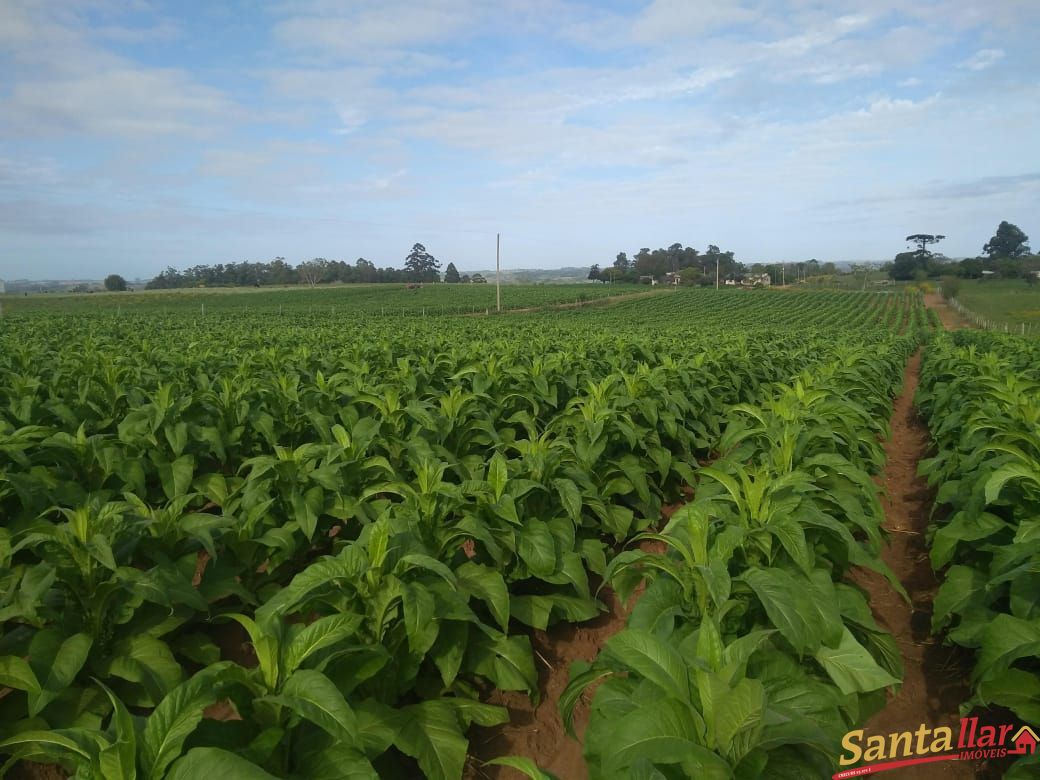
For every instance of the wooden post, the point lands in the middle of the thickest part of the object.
(498, 272)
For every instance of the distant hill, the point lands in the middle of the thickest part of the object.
(64, 285)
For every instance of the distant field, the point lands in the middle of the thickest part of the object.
(375, 300)
(1009, 302)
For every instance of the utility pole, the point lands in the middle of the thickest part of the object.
(783, 274)
(716, 272)
(498, 272)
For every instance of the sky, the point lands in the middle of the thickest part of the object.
(141, 134)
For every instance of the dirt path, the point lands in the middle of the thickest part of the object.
(537, 731)
(934, 684)
(949, 318)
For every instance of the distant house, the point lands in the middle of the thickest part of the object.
(988, 274)
(647, 279)
(757, 280)
(732, 282)
(672, 278)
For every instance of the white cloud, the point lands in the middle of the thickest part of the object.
(164, 30)
(351, 119)
(982, 59)
(386, 180)
(63, 82)
(595, 129)
(116, 100)
(373, 30)
(670, 20)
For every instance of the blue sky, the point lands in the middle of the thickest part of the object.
(137, 134)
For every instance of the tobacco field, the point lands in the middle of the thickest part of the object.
(307, 539)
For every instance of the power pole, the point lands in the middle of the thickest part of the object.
(498, 272)
(716, 272)
(783, 274)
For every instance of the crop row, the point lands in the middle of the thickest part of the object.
(380, 512)
(391, 300)
(980, 393)
(748, 655)
(350, 306)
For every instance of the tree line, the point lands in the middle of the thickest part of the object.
(1006, 254)
(694, 267)
(419, 266)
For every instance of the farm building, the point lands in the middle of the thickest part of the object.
(757, 280)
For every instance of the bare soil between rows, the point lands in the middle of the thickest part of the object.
(948, 316)
(536, 730)
(934, 682)
(935, 676)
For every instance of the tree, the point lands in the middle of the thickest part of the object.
(907, 264)
(451, 274)
(675, 256)
(365, 270)
(115, 283)
(714, 257)
(621, 264)
(653, 264)
(1008, 268)
(1009, 241)
(595, 273)
(691, 275)
(421, 266)
(920, 263)
(312, 271)
(923, 240)
(478, 279)
(970, 268)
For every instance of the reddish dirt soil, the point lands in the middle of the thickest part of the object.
(30, 770)
(949, 318)
(537, 731)
(934, 682)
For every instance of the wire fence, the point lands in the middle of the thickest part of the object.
(1023, 328)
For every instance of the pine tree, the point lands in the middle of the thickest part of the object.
(421, 266)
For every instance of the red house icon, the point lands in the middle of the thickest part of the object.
(1025, 742)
